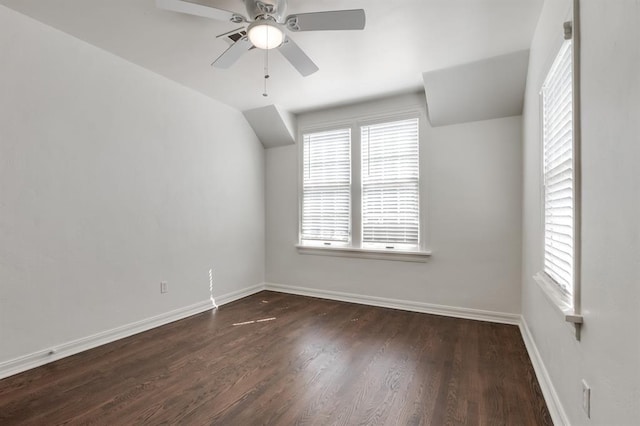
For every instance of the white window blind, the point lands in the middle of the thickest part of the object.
(390, 184)
(557, 105)
(326, 200)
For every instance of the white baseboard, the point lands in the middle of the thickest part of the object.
(239, 294)
(36, 359)
(405, 305)
(554, 405)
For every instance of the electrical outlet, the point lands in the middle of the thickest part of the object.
(586, 398)
(164, 287)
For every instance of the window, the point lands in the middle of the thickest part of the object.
(559, 278)
(326, 202)
(361, 189)
(390, 185)
(558, 174)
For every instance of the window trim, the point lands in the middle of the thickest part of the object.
(354, 248)
(366, 253)
(568, 305)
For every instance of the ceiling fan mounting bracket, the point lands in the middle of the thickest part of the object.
(266, 8)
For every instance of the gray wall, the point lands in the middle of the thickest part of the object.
(113, 179)
(608, 354)
(471, 196)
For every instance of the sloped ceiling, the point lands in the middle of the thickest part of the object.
(481, 90)
(273, 126)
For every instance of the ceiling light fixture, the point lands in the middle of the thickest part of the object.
(265, 34)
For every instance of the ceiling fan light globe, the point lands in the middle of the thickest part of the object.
(265, 35)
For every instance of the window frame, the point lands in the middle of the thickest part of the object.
(321, 243)
(398, 246)
(568, 304)
(355, 247)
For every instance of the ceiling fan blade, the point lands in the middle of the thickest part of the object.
(297, 57)
(354, 19)
(233, 53)
(199, 10)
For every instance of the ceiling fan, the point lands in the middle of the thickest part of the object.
(266, 28)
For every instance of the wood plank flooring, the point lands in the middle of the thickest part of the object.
(277, 359)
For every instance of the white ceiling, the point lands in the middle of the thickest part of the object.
(402, 40)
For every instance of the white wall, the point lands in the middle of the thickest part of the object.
(608, 354)
(112, 179)
(473, 193)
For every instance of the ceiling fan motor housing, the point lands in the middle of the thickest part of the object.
(261, 9)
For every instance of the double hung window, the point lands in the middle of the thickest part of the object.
(361, 186)
(326, 199)
(390, 185)
(558, 171)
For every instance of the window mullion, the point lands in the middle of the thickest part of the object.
(356, 188)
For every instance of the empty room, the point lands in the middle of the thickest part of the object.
(346, 212)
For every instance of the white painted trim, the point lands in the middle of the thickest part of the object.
(45, 356)
(558, 298)
(362, 253)
(404, 305)
(554, 405)
(568, 305)
(561, 301)
(36, 359)
(239, 294)
(342, 119)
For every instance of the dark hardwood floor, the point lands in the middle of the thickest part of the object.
(278, 359)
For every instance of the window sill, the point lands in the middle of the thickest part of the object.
(562, 302)
(399, 255)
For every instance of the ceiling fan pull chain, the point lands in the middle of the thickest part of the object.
(266, 68)
(265, 94)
